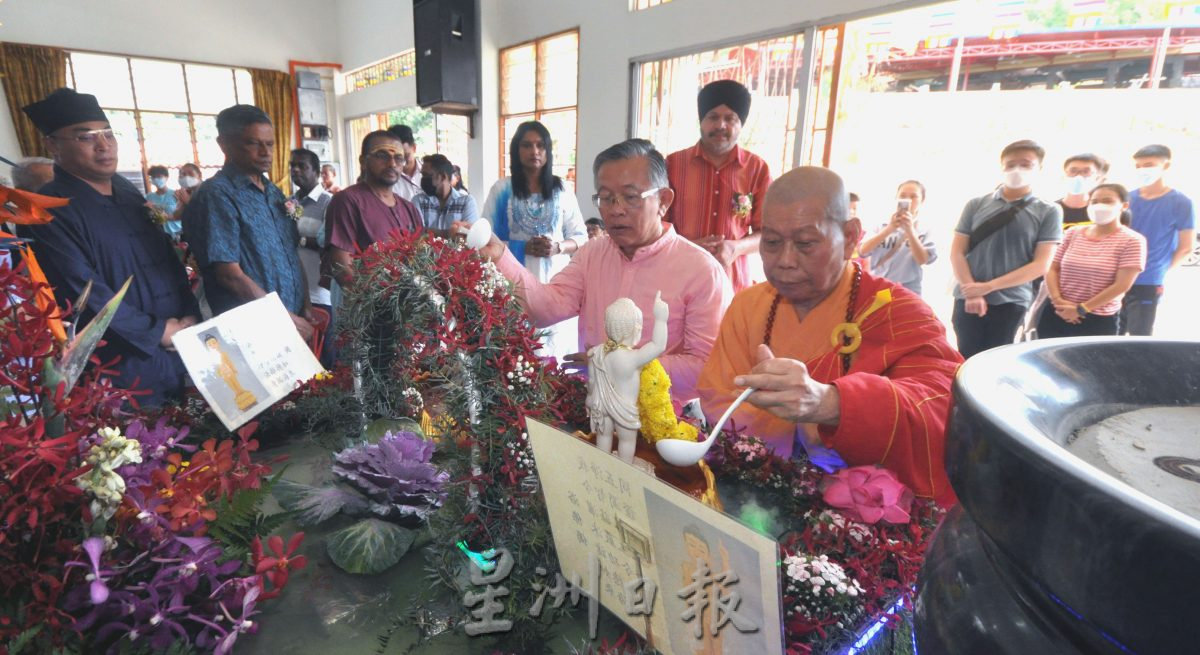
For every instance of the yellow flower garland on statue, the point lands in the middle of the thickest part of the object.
(655, 409)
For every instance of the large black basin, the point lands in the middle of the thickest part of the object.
(1047, 554)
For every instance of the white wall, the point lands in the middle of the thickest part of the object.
(609, 37)
(371, 30)
(232, 32)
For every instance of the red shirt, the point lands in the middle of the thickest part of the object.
(357, 218)
(706, 199)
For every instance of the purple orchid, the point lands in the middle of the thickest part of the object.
(242, 624)
(396, 475)
(97, 590)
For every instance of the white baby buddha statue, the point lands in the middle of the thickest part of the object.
(615, 373)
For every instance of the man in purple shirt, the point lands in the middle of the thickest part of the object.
(367, 212)
(639, 257)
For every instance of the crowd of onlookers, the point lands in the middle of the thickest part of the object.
(1092, 262)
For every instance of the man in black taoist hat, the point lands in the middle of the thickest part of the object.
(719, 187)
(106, 235)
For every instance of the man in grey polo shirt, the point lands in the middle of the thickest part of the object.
(1004, 240)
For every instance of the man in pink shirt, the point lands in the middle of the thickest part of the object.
(639, 257)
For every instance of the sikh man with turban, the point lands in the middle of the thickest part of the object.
(105, 236)
(719, 187)
(853, 368)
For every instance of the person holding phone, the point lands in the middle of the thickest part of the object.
(901, 247)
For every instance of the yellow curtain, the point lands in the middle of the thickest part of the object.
(274, 93)
(30, 72)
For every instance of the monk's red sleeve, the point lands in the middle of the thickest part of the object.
(898, 420)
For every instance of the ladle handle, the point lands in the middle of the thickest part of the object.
(729, 412)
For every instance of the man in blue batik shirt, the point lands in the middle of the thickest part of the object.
(105, 236)
(238, 225)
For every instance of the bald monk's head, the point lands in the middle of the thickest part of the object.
(807, 234)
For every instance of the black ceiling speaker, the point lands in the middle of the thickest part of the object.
(447, 45)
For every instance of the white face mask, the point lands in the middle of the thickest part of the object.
(1018, 178)
(187, 181)
(1079, 185)
(1102, 214)
(1148, 175)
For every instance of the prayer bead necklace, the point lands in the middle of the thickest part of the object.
(846, 340)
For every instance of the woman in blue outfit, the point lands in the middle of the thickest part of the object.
(539, 219)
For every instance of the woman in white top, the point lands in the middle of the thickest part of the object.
(538, 218)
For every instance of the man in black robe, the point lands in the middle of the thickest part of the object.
(106, 235)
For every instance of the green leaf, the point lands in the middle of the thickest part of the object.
(369, 546)
(314, 505)
(75, 357)
(240, 518)
(18, 643)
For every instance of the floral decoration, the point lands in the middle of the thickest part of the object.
(156, 214)
(395, 474)
(118, 534)
(869, 494)
(743, 204)
(840, 572)
(293, 209)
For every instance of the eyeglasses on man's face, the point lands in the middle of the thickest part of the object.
(630, 200)
(384, 156)
(90, 137)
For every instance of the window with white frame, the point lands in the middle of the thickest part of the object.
(164, 112)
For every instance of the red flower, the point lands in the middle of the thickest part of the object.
(277, 568)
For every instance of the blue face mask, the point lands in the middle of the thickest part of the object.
(158, 181)
(1079, 185)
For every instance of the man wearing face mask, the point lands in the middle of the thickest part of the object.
(1004, 240)
(1084, 172)
(163, 198)
(1167, 219)
(439, 202)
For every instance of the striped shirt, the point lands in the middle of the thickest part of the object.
(707, 199)
(1087, 266)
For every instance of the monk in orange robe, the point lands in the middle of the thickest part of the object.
(841, 359)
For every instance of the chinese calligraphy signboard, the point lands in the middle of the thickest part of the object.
(687, 577)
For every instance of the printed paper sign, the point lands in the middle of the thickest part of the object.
(688, 578)
(246, 359)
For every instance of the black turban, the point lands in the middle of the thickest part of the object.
(724, 92)
(64, 107)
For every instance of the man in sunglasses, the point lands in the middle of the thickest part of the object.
(366, 212)
(105, 236)
(238, 225)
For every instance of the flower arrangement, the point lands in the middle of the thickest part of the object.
(840, 570)
(743, 204)
(430, 319)
(114, 538)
